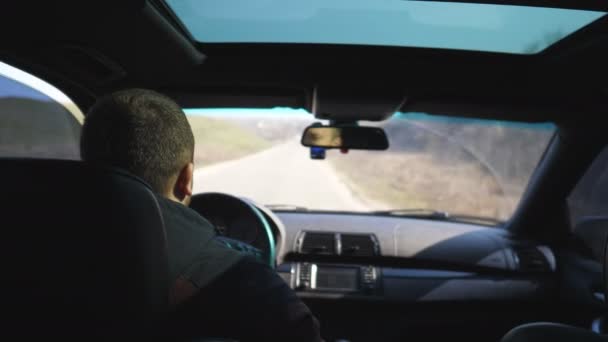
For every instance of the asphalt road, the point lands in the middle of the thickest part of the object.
(284, 174)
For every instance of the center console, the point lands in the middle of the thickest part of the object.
(336, 278)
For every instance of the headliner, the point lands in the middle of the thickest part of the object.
(91, 49)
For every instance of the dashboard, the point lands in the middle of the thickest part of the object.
(411, 260)
(375, 277)
(396, 259)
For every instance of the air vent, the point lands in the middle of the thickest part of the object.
(531, 259)
(318, 243)
(360, 245)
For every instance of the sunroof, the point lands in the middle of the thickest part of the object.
(426, 24)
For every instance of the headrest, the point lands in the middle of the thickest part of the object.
(83, 249)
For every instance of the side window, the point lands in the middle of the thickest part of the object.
(36, 119)
(588, 205)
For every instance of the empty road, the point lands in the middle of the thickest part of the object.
(284, 174)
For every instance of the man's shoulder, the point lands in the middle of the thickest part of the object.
(180, 217)
(193, 251)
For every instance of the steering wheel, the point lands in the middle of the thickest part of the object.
(239, 224)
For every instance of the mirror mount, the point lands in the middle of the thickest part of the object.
(339, 123)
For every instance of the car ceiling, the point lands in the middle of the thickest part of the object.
(93, 47)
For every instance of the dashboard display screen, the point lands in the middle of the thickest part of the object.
(337, 278)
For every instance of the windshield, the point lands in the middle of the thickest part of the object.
(460, 166)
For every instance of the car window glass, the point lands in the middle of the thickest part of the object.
(460, 166)
(590, 196)
(588, 207)
(36, 119)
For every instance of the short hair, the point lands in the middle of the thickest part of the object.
(141, 131)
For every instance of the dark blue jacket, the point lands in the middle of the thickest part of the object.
(219, 292)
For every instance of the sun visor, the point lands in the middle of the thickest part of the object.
(344, 103)
(241, 98)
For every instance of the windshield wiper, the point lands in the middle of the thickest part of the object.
(422, 213)
(430, 214)
(285, 207)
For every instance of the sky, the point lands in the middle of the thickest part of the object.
(433, 24)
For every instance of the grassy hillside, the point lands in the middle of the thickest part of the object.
(44, 129)
(219, 140)
(417, 180)
(470, 168)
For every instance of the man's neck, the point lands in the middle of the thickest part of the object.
(172, 197)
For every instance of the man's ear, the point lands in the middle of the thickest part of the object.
(183, 185)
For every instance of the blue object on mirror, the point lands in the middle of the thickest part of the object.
(317, 153)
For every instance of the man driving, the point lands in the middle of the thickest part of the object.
(218, 292)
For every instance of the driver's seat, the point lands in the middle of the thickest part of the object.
(83, 253)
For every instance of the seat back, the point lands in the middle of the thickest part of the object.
(82, 253)
(605, 259)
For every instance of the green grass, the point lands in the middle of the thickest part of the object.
(217, 141)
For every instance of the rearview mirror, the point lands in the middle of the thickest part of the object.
(345, 137)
